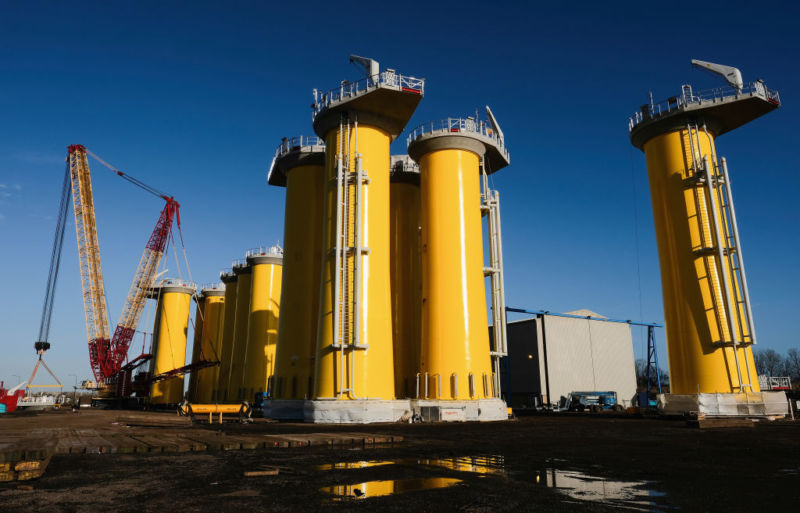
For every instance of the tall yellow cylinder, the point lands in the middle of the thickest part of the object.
(243, 274)
(169, 334)
(210, 343)
(406, 272)
(226, 342)
(696, 320)
(196, 345)
(302, 257)
(262, 332)
(454, 359)
(364, 369)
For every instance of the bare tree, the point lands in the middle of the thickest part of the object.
(793, 364)
(769, 363)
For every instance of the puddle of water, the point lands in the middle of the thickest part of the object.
(474, 464)
(577, 485)
(346, 465)
(387, 487)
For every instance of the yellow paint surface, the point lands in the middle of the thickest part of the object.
(240, 325)
(196, 345)
(212, 324)
(226, 342)
(406, 276)
(262, 337)
(369, 372)
(693, 304)
(302, 259)
(455, 334)
(172, 324)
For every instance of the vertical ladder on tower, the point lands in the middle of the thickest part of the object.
(349, 253)
(490, 207)
(729, 292)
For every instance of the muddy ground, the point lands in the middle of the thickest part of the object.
(574, 462)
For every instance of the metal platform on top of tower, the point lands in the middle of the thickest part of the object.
(382, 98)
(470, 133)
(722, 109)
(292, 152)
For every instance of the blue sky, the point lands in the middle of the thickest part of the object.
(193, 98)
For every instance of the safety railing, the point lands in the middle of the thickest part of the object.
(459, 125)
(213, 286)
(177, 282)
(289, 144)
(263, 251)
(238, 263)
(688, 97)
(774, 382)
(387, 79)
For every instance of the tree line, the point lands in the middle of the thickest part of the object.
(771, 363)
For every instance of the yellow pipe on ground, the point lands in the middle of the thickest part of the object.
(691, 283)
(226, 341)
(212, 327)
(169, 333)
(243, 274)
(262, 333)
(297, 331)
(366, 371)
(406, 275)
(196, 345)
(455, 335)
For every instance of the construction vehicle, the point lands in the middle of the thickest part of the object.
(594, 401)
(10, 398)
(108, 355)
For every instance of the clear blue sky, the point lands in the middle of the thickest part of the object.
(193, 98)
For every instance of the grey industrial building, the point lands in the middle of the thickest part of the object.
(551, 355)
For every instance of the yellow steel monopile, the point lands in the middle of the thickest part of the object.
(226, 342)
(211, 327)
(244, 276)
(455, 360)
(709, 324)
(262, 331)
(406, 271)
(354, 358)
(298, 166)
(197, 343)
(169, 335)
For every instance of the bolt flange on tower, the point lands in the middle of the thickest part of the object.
(709, 321)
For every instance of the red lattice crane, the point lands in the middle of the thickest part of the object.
(106, 354)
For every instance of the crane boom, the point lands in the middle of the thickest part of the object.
(143, 282)
(94, 294)
(107, 355)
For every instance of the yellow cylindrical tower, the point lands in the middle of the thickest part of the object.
(196, 344)
(298, 166)
(354, 358)
(226, 341)
(262, 332)
(213, 300)
(243, 273)
(169, 335)
(709, 324)
(455, 361)
(406, 271)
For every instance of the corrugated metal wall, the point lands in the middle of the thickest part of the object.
(581, 354)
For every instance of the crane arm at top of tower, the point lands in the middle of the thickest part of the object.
(371, 66)
(731, 74)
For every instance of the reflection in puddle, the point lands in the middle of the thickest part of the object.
(387, 487)
(636, 495)
(345, 465)
(584, 487)
(475, 464)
